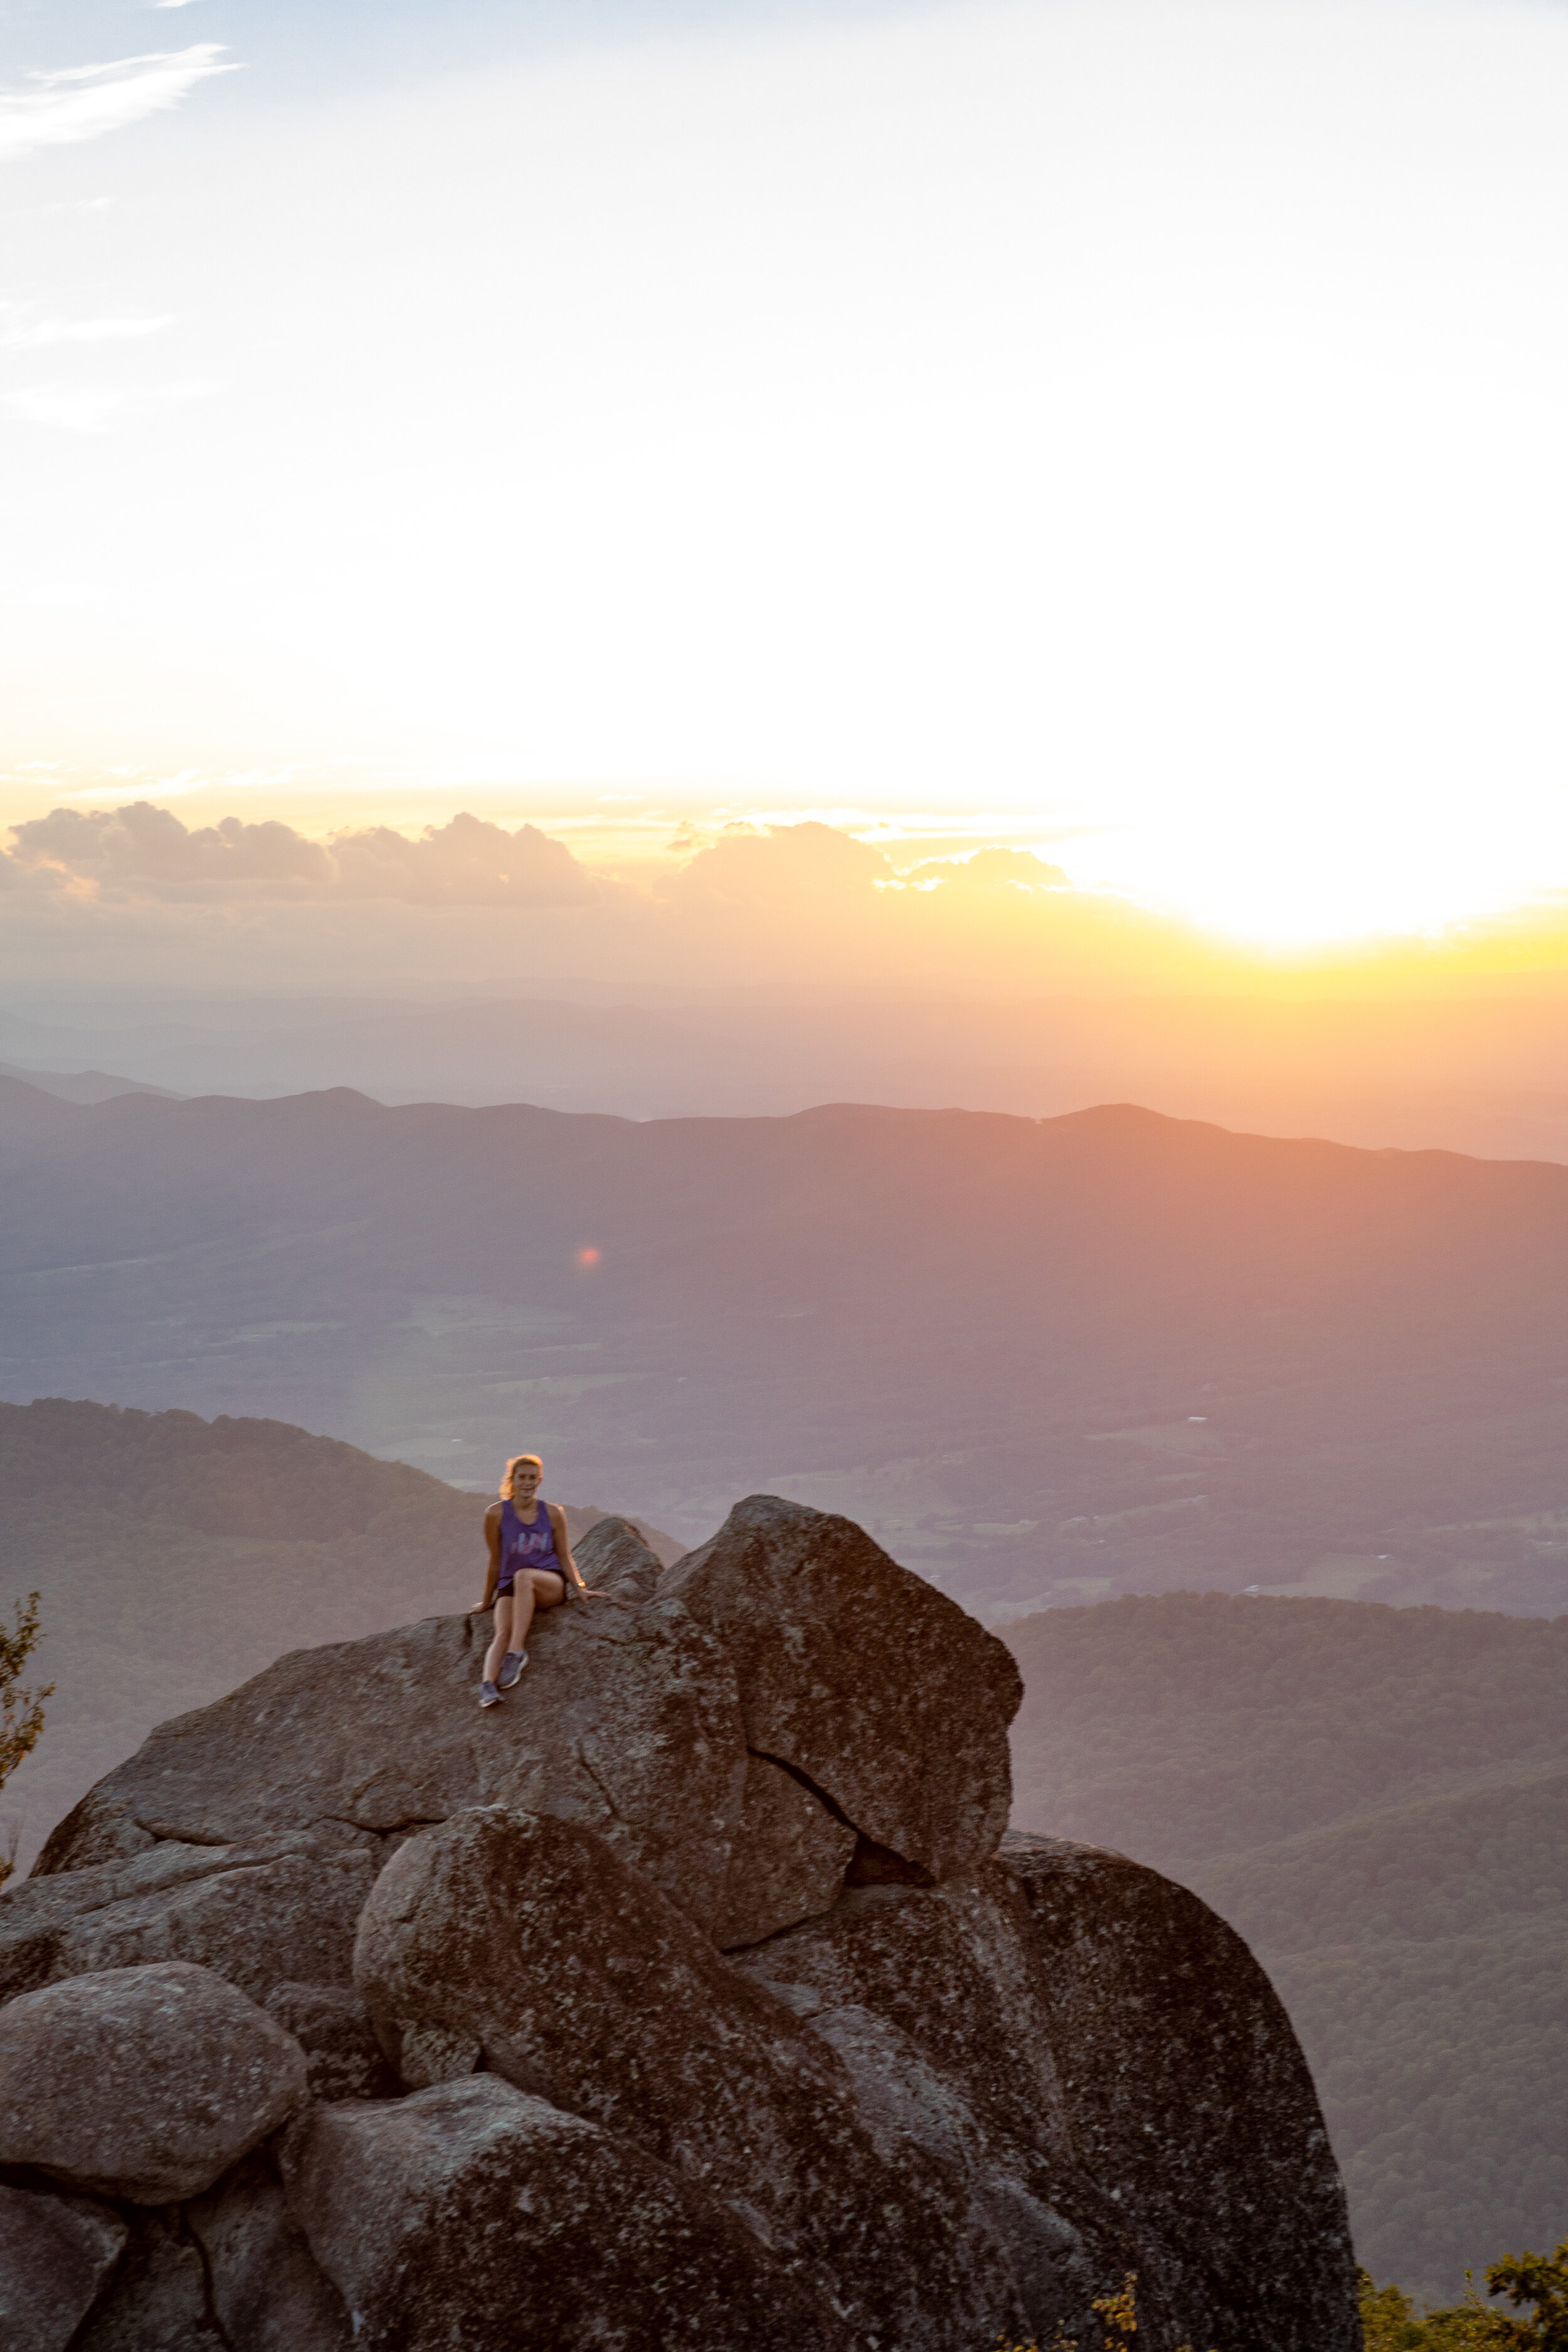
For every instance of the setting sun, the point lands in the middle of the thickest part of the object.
(1172, 471)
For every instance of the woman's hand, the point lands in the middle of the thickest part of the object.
(480, 1608)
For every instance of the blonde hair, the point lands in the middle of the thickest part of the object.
(504, 1490)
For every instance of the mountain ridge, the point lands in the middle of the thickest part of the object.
(1043, 1361)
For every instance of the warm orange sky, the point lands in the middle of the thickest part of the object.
(147, 896)
(1124, 429)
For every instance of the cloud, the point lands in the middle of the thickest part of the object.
(80, 102)
(106, 892)
(144, 852)
(745, 867)
(987, 870)
(20, 333)
(467, 862)
(93, 408)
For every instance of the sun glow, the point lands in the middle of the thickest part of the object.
(1129, 426)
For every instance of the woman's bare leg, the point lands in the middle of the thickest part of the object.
(501, 1642)
(539, 1589)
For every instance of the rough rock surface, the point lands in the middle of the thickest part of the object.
(256, 1913)
(472, 2215)
(613, 1557)
(627, 1720)
(526, 1939)
(1203, 2120)
(230, 2272)
(144, 2083)
(890, 1700)
(267, 2292)
(343, 2059)
(1196, 2132)
(933, 1999)
(55, 2253)
(788, 1859)
(718, 2019)
(158, 2298)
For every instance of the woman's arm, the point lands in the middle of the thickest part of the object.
(569, 1568)
(492, 1572)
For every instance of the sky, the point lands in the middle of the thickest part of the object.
(1124, 431)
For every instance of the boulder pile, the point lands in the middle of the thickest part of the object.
(695, 1997)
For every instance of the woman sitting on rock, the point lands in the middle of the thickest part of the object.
(531, 1561)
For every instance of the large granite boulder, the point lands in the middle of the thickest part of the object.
(281, 1907)
(1127, 2065)
(788, 1860)
(686, 1999)
(145, 2084)
(883, 1693)
(54, 2255)
(474, 2214)
(1188, 2097)
(931, 1998)
(627, 1720)
(528, 1943)
(611, 1558)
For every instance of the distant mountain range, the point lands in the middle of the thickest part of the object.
(1045, 1361)
(83, 1085)
(1378, 1800)
(1481, 1075)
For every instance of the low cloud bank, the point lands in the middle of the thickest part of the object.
(755, 868)
(144, 852)
(134, 891)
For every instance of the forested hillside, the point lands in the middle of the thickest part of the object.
(1378, 1800)
(176, 1557)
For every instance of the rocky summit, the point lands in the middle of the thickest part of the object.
(696, 1997)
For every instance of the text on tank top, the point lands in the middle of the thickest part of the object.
(526, 1546)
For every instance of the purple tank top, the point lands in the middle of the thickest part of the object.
(523, 1547)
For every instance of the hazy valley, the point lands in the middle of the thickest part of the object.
(1043, 1361)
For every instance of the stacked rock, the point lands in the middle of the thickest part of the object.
(695, 1997)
